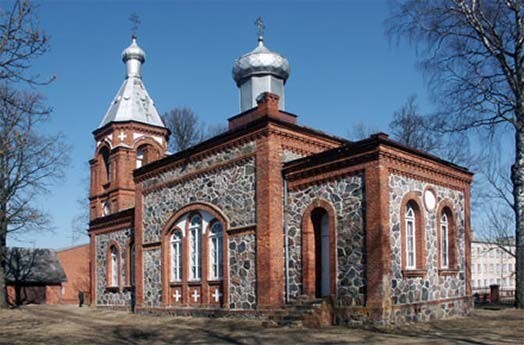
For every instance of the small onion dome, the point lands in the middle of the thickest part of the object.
(133, 52)
(260, 61)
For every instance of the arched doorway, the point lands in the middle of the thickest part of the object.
(320, 221)
(318, 256)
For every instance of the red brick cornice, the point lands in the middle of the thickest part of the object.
(259, 128)
(112, 222)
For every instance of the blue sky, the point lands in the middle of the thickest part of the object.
(343, 70)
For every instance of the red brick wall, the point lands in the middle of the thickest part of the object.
(75, 262)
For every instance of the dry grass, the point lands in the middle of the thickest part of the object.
(62, 325)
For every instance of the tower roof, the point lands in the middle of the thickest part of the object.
(260, 61)
(132, 102)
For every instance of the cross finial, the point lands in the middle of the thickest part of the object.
(134, 19)
(260, 28)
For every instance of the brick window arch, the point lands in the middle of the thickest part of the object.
(113, 266)
(447, 240)
(413, 236)
(312, 254)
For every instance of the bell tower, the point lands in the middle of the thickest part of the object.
(130, 135)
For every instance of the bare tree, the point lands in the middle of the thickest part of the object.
(473, 52)
(360, 131)
(29, 161)
(410, 128)
(186, 128)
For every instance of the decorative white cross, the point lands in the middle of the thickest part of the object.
(195, 295)
(177, 295)
(217, 295)
(122, 136)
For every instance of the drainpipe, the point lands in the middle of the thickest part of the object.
(286, 241)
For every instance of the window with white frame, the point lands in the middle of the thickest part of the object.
(444, 240)
(114, 266)
(176, 256)
(215, 251)
(195, 239)
(410, 238)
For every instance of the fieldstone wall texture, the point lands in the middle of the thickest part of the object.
(232, 190)
(152, 278)
(105, 297)
(347, 197)
(433, 286)
(242, 272)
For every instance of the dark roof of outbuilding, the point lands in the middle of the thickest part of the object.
(33, 266)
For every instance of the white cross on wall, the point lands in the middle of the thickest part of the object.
(217, 295)
(177, 295)
(122, 136)
(195, 295)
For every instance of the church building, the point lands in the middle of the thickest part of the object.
(271, 214)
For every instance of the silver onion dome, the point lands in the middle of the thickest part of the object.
(134, 52)
(260, 61)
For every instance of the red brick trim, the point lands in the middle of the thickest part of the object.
(309, 260)
(242, 230)
(447, 206)
(269, 218)
(139, 254)
(151, 245)
(129, 260)
(378, 248)
(413, 199)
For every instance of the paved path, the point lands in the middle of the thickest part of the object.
(62, 325)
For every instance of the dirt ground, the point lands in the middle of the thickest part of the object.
(62, 325)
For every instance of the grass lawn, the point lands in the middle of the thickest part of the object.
(62, 325)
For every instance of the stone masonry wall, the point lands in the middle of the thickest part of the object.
(152, 277)
(347, 197)
(242, 272)
(103, 241)
(232, 190)
(432, 287)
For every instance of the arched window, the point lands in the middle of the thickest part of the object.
(411, 250)
(215, 251)
(447, 239)
(444, 241)
(107, 164)
(140, 157)
(195, 247)
(176, 256)
(106, 208)
(113, 265)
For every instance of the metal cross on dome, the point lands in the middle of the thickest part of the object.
(260, 27)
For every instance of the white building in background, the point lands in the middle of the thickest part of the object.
(491, 264)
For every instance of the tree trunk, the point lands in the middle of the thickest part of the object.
(517, 178)
(3, 288)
